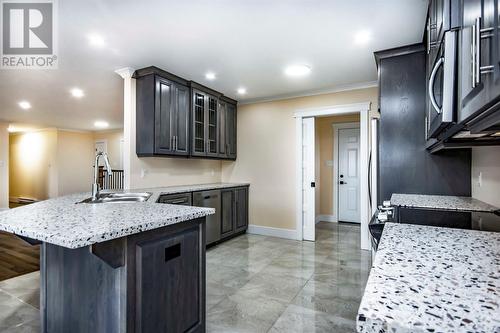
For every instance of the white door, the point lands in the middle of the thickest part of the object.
(349, 193)
(308, 195)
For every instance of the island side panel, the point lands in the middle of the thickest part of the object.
(80, 292)
(163, 264)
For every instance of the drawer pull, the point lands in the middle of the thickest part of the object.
(178, 202)
(172, 252)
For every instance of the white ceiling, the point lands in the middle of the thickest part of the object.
(246, 43)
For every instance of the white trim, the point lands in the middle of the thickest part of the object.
(336, 127)
(333, 110)
(274, 232)
(340, 88)
(126, 72)
(363, 109)
(326, 218)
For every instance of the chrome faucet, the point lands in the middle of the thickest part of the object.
(95, 187)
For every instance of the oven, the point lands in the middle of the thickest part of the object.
(441, 87)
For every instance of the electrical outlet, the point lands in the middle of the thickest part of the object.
(144, 172)
(480, 180)
(2, 164)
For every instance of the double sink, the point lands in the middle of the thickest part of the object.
(118, 197)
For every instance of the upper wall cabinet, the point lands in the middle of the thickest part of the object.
(227, 128)
(205, 125)
(176, 117)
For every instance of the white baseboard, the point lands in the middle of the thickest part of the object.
(269, 231)
(326, 218)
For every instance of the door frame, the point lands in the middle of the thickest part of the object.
(336, 127)
(363, 109)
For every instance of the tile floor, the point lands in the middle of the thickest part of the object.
(254, 284)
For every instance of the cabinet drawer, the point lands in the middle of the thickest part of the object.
(176, 199)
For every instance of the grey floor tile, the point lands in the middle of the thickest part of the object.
(283, 288)
(297, 319)
(241, 314)
(14, 313)
(25, 287)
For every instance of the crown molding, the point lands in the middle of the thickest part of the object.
(125, 73)
(347, 87)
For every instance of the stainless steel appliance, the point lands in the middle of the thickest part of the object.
(210, 199)
(441, 86)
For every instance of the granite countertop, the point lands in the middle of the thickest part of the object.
(433, 279)
(441, 202)
(62, 222)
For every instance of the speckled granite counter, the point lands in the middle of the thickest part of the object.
(62, 222)
(431, 279)
(440, 202)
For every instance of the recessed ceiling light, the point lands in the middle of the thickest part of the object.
(96, 40)
(77, 92)
(297, 70)
(242, 91)
(101, 124)
(24, 105)
(362, 37)
(210, 76)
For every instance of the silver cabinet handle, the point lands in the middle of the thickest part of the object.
(439, 63)
(477, 35)
(176, 143)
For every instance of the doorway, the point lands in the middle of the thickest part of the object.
(305, 188)
(346, 172)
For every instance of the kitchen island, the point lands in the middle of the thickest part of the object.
(117, 267)
(432, 279)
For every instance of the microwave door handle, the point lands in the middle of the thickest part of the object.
(431, 84)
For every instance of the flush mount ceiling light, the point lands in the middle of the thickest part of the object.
(77, 93)
(210, 76)
(101, 124)
(96, 40)
(362, 37)
(298, 70)
(242, 91)
(24, 105)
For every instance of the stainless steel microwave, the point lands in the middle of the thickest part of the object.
(441, 86)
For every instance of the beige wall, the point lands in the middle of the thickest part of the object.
(486, 160)
(266, 153)
(4, 166)
(33, 165)
(114, 141)
(75, 156)
(324, 132)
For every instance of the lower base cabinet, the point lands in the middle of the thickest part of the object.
(231, 205)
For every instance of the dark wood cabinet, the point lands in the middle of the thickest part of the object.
(205, 126)
(227, 213)
(476, 57)
(241, 208)
(231, 210)
(162, 114)
(227, 128)
(176, 117)
(234, 211)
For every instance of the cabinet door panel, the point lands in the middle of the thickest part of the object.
(182, 120)
(163, 116)
(199, 124)
(227, 211)
(241, 208)
(211, 128)
(231, 130)
(222, 130)
(167, 270)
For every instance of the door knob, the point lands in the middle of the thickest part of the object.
(342, 182)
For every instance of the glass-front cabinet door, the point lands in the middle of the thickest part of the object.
(212, 121)
(198, 124)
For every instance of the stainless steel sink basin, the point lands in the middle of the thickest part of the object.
(120, 197)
